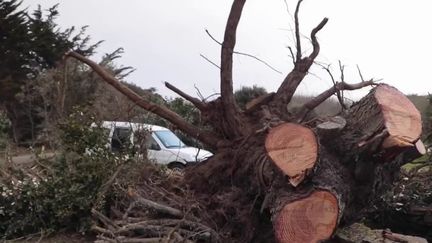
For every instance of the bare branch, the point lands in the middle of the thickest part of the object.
(289, 23)
(157, 206)
(199, 93)
(342, 71)
(230, 106)
(288, 87)
(292, 55)
(288, 11)
(211, 37)
(360, 73)
(210, 61)
(312, 104)
(204, 99)
(297, 31)
(196, 102)
(246, 54)
(342, 78)
(259, 60)
(208, 97)
(315, 44)
(338, 92)
(162, 111)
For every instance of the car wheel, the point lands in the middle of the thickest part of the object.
(176, 167)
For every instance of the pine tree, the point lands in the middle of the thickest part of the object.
(29, 44)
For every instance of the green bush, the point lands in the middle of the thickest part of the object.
(62, 194)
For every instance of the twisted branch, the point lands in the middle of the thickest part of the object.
(315, 43)
(288, 87)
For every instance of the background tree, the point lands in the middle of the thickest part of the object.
(246, 94)
(55, 93)
(30, 43)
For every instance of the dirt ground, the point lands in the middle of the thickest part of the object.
(24, 157)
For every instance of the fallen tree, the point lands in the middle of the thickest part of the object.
(277, 175)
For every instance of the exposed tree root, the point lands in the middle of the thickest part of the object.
(273, 175)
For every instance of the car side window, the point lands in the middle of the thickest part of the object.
(152, 144)
(143, 139)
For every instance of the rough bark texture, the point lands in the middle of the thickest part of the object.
(263, 165)
(384, 120)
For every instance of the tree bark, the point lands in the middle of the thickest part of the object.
(309, 180)
(383, 121)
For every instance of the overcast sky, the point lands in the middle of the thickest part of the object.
(163, 40)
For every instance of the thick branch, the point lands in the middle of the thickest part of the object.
(297, 31)
(227, 95)
(315, 44)
(196, 102)
(312, 104)
(204, 136)
(288, 87)
(158, 207)
(292, 55)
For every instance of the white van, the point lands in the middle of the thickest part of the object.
(162, 145)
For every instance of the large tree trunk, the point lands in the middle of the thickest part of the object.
(276, 178)
(308, 185)
(302, 180)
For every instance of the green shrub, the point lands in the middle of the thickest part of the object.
(61, 194)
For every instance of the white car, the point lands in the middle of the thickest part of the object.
(162, 145)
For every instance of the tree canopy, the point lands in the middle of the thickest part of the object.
(31, 42)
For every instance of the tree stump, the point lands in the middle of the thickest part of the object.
(309, 219)
(294, 150)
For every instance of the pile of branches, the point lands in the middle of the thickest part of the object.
(155, 209)
(407, 207)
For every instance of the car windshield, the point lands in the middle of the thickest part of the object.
(169, 139)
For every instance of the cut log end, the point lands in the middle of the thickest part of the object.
(420, 147)
(396, 142)
(402, 119)
(310, 219)
(294, 150)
